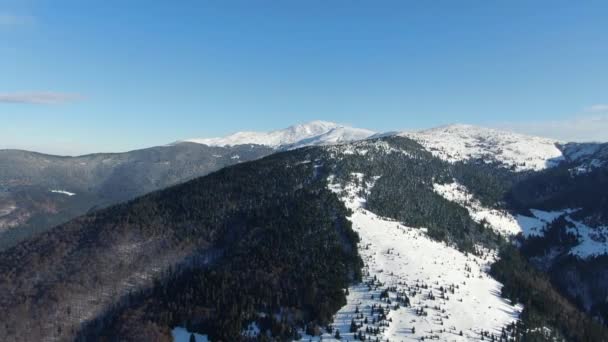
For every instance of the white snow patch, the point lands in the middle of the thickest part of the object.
(363, 147)
(592, 241)
(182, 335)
(535, 225)
(462, 142)
(252, 330)
(63, 192)
(412, 264)
(501, 221)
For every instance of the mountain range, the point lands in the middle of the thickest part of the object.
(316, 231)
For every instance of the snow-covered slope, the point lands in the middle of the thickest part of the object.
(586, 156)
(461, 142)
(590, 241)
(416, 288)
(311, 133)
(500, 220)
(451, 143)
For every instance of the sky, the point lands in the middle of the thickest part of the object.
(113, 75)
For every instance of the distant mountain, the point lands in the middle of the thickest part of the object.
(465, 142)
(38, 191)
(311, 133)
(586, 156)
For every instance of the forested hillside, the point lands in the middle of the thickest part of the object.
(204, 228)
(39, 191)
(265, 242)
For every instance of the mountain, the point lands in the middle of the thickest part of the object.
(311, 133)
(586, 156)
(457, 232)
(465, 142)
(39, 191)
(368, 238)
(248, 239)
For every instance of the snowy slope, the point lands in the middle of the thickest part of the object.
(586, 156)
(501, 221)
(591, 241)
(461, 142)
(311, 133)
(451, 143)
(448, 292)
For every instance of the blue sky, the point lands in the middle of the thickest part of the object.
(84, 76)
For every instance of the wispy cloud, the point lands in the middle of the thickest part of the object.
(11, 20)
(589, 125)
(48, 98)
(597, 108)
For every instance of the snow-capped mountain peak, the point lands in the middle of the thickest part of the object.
(462, 142)
(310, 133)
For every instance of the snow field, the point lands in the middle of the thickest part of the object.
(419, 283)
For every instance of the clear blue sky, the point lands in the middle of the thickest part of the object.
(117, 75)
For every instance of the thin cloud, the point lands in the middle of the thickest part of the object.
(47, 98)
(598, 108)
(591, 125)
(11, 20)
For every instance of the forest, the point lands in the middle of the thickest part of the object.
(264, 241)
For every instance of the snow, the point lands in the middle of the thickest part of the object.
(311, 133)
(405, 258)
(462, 142)
(182, 335)
(502, 221)
(364, 147)
(592, 241)
(577, 151)
(252, 330)
(63, 192)
(585, 156)
(499, 220)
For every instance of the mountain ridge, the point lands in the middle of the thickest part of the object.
(310, 133)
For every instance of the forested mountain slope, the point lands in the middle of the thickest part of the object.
(573, 247)
(39, 191)
(279, 225)
(266, 242)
